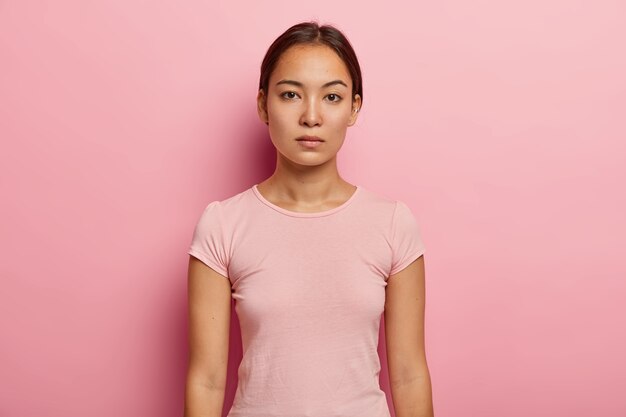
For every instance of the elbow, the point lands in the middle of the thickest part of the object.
(409, 372)
(211, 378)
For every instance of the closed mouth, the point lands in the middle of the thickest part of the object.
(310, 139)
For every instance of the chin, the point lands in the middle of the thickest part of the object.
(307, 160)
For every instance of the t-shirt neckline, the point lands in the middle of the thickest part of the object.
(291, 213)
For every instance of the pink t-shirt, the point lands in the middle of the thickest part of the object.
(309, 291)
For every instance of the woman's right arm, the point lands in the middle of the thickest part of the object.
(209, 299)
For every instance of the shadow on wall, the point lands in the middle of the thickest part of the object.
(251, 160)
(254, 161)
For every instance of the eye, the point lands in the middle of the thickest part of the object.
(291, 94)
(335, 96)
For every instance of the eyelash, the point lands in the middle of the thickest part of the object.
(339, 98)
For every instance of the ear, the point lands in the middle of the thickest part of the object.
(261, 104)
(356, 107)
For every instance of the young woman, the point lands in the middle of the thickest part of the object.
(311, 261)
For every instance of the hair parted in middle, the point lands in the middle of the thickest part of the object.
(311, 33)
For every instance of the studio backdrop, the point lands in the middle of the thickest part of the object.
(500, 124)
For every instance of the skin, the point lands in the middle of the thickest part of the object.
(306, 180)
(409, 377)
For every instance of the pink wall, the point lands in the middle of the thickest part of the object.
(502, 125)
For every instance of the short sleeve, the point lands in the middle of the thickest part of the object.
(207, 243)
(406, 238)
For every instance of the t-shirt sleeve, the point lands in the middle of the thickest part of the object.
(207, 243)
(406, 238)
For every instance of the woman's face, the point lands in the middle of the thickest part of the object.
(309, 93)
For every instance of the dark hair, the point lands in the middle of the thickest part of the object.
(312, 33)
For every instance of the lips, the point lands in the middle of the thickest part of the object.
(309, 142)
(310, 138)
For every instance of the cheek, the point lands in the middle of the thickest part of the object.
(279, 113)
(338, 117)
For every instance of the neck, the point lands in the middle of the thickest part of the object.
(309, 185)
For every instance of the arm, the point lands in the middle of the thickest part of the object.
(404, 333)
(209, 295)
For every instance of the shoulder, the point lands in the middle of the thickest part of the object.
(376, 200)
(230, 204)
(394, 216)
(230, 212)
(219, 218)
(384, 204)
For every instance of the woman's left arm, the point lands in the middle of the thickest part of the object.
(404, 334)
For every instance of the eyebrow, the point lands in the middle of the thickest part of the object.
(299, 84)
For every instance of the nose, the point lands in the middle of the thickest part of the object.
(311, 115)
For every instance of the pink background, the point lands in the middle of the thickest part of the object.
(500, 123)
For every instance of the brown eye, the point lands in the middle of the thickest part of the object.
(335, 97)
(288, 92)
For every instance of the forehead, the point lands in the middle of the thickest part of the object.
(315, 64)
